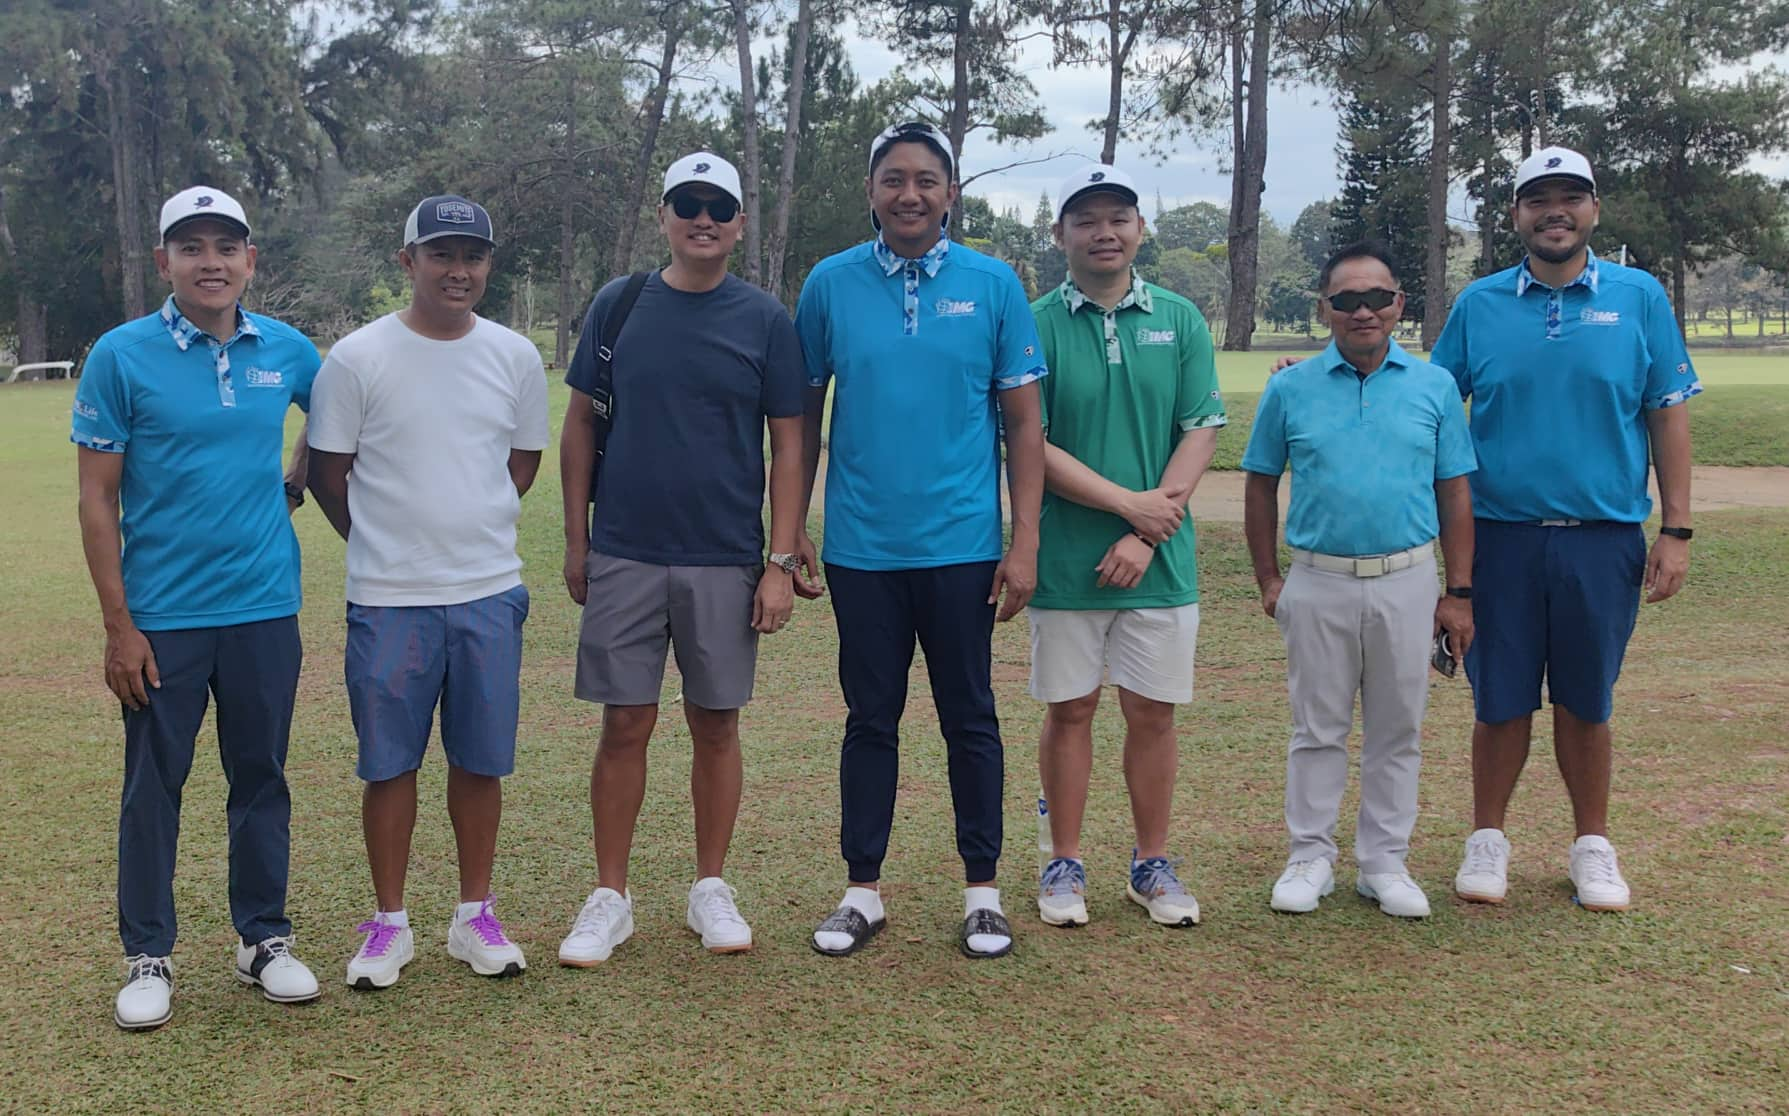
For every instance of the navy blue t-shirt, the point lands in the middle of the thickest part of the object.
(696, 375)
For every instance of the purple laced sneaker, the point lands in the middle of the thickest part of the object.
(380, 935)
(487, 927)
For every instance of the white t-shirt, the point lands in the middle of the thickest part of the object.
(431, 424)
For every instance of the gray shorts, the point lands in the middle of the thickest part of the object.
(635, 609)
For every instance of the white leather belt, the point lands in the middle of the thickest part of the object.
(1377, 565)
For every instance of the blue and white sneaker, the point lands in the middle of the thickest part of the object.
(1062, 893)
(1156, 888)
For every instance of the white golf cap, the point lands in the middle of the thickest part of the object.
(195, 202)
(1554, 162)
(914, 129)
(1095, 178)
(704, 166)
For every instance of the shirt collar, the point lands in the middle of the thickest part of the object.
(185, 332)
(1334, 361)
(1137, 296)
(930, 262)
(1586, 278)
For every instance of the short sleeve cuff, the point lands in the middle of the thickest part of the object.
(1205, 422)
(1673, 398)
(1029, 376)
(96, 443)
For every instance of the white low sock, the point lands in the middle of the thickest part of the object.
(865, 899)
(466, 912)
(984, 899)
(400, 919)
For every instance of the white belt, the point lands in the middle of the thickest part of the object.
(1377, 565)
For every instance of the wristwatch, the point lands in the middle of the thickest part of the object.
(1464, 592)
(295, 493)
(788, 563)
(1683, 533)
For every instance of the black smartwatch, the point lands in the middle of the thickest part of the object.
(1683, 533)
(295, 493)
(1464, 592)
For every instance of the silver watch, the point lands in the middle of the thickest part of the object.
(788, 562)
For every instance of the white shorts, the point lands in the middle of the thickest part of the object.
(1148, 651)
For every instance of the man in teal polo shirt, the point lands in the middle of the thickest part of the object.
(180, 416)
(930, 348)
(1577, 373)
(1133, 410)
(1379, 453)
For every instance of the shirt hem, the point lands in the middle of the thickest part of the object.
(376, 596)
(878, 565)
(180, 622)
(665, 558)
(1112, 603)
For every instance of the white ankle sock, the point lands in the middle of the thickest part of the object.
(865, 899)
(984, 899)
(399, 918)
(466, 912)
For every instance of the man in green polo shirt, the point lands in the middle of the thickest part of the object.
(1132, 409)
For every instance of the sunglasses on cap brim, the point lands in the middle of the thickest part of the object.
(688, 205)
(1347, 302)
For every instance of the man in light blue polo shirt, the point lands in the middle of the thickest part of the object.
(180, 416)
(1379, 452)
(929, 347)
(1576, 372)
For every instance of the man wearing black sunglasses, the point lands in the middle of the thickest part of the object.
(674, 554)
(1379, 452)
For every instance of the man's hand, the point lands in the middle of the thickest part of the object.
(1270, 595)
(1155, 513)
(1124, 563)
(807, 582)
(577, 582)
(1017, 574)
(129, 661)
(1454, 616)
(1282, 364)
(774, 601)
(291, 507)
(1666, 567)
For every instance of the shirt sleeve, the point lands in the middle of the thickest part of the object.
(580, 373)
(1047, 347)
(100, 419)
(1670, 378)
(1018, 354)
(810, 327)
(1200, 403)
(336, 408)
(1454, 456)
(304, 375)
(1266, 452)
(531, 401)
(785, 377)
(1450, 349)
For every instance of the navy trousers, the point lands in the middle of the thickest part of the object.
(252, 672)
(880, 613)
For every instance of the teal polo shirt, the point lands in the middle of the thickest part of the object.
(1561, 381)
(1365, 453)
(201, 423)
(917, 352)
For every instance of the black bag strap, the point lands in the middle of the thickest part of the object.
(602, 393)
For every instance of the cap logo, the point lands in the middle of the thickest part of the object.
(455, 213)
(203, 201)
(701, 168)
(1554, 161)
(1097, 176)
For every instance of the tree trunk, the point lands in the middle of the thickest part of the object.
(1677, 270)
(1108, 153)
(1729, 323)
(748, 104)
(113, 74)
(959, 101)
(34, 323)
(1247, 184)
(1435, 303)
(568, 228)
(655, 116)
(785, 184)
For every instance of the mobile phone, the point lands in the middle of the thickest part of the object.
(1442, 659)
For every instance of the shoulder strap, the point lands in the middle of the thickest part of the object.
(602, 393)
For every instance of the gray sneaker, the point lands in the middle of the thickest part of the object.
(1155, 888)
(1062, 893)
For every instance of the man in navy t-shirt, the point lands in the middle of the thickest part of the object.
(674, 554)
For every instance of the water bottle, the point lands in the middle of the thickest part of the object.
(1046, 847)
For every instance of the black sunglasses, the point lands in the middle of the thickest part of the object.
(721, 209)
(1347, 302)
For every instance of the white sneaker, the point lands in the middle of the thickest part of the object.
(1484, 871)
(480, 942)
(1600, 886)
(1154, 886)
(606, 921)
(1062, 893)
(713, 915)
(1302, 886)
(281, 977)
(382, 957)
(1395, 892)
(146, 1000)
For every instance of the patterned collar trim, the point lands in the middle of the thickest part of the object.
(929, 263)
(185, 332)
(1586, 278)
(1137, 296)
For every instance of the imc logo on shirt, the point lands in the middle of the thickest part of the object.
(264, 377)
(954, 307)
(1147, 336)
(1600, 317)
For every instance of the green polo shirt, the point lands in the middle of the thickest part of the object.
(1124, 385)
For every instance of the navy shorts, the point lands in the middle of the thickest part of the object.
(1557, 603)
(403, 660)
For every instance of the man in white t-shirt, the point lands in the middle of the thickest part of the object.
(427, 427)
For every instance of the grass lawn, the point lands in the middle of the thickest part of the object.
(1682, 1004)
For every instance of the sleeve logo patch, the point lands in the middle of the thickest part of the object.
(1147, 336)
(87, 411)
(1600, 317)
(954, 307)
(1683, 369)
(264, 377)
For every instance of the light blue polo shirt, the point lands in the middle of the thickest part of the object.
(917, 351)
(201, 424)
(1561, 382)
(1365, 454)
